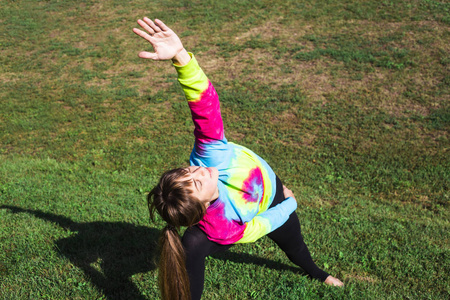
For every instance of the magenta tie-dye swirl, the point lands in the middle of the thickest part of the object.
(253, 186)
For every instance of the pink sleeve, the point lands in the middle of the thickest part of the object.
(206, 116)
(203, 102)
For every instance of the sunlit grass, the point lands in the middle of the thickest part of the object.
(348, 101)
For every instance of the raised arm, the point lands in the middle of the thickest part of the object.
(201, 95)
(203, 102)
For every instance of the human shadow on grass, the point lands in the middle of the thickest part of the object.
(109, 253)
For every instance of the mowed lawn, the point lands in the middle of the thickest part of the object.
(348, 101)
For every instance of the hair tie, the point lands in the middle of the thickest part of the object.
(171, 227)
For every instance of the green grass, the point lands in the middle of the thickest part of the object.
(348, 101)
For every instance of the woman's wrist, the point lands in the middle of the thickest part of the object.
(182, 58)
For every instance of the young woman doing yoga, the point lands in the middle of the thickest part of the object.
(228, 194)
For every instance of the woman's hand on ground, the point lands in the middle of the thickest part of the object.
(333, 281)
(166, 44)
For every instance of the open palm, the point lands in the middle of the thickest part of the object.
(164, 41)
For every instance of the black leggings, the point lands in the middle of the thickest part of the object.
(288, 237)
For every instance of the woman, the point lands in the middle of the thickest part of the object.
(228, 195)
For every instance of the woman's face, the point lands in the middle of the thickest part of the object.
(204, 183)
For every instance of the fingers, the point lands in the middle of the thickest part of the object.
(148, 55)
(161, 25)
(142, 34)
(153, 26)
(287, 192)
(149, 26)
(146, 26)
(150, 33)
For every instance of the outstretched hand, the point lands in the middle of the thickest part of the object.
(166, 44)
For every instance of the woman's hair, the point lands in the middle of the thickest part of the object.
(172, 198)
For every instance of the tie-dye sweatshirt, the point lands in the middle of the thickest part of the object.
(247, 184)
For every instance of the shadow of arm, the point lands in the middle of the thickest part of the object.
(60, 220)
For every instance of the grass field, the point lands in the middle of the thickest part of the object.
(348, 101)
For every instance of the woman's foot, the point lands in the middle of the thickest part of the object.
(333, 281)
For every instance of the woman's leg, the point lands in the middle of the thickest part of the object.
(197, 247)
(289, 238)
